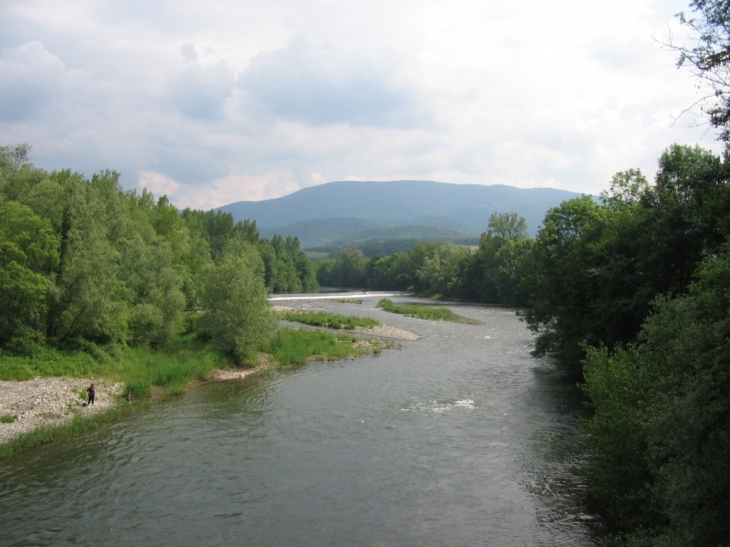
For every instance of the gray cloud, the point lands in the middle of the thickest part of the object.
(188, 52)
(201, 91)
(308, 84)
(29, 77)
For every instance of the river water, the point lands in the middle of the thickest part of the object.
(458, 439)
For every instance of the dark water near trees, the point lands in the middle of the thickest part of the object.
(459, 439)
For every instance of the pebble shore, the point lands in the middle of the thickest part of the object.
(50, 401)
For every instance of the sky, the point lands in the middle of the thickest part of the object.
(218, 101)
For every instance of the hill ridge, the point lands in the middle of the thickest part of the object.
(463, 207)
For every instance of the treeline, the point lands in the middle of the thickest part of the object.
(489, 274)
(84, 263)
(388, 246)
(630, 294)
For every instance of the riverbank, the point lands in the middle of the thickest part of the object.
(49, 402)
(55, 401)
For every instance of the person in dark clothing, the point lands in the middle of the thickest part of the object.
(92, 394)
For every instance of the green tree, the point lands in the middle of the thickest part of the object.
(28, 257)
(13, 157)
(237, 315)
(89, 302)
(507, 226)
(660, 434)
(440, 273)
(493, 273)
(558, 280)
(154, 287)
(349, 271)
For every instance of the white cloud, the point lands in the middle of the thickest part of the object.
(221, 191)
(158, 184)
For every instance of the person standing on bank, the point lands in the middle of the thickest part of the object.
(92, 393)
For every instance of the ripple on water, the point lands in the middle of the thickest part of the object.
(439, 406)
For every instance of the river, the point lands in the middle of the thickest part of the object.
(458, 439)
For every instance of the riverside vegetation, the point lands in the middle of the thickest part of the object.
(100, 282)
(425, 312)
(629, 294)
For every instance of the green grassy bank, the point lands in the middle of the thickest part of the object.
(430, 313)
(329, 320)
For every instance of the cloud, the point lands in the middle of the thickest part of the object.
(188, 52)
(313, 84)
(222, 191)
(29, 78)
(200, 91)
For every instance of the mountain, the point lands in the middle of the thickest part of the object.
(348, 210)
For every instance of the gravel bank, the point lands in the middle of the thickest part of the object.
(50, 401)
(385, 331)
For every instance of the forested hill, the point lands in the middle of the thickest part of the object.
(464, 207)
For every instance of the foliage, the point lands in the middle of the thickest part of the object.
(28, 256)
(85, 264)
(287, 268)
(296, 347)
(429, 313)
(439, 273)
(329, 320)
(661, 429)
(493, 273)
(237, 315)
(594, 269)
(49, 362)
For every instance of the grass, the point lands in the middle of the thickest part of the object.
(8, 418)
(49, 362)
(425, 312)
(330, 320)
(295, 347)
